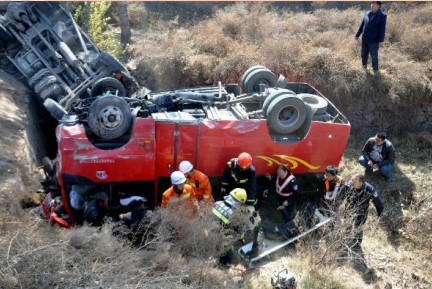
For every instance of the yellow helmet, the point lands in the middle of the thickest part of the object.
(239, 194)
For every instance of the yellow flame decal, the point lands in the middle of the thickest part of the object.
(293, 162)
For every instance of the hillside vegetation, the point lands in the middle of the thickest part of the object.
(318, 48)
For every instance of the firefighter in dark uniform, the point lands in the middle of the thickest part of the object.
(287, 191)
(359, 194)
(240, 173)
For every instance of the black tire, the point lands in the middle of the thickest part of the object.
(108, 84)
(233, 88)
(272, 96)
(247, 72)
(286, 114)
(55, 109)
(109, 117)
(48, 166)
(257, 77)
(317, 103)
(305, 127)
(111, 61)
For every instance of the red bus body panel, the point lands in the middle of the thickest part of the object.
(157, 144)
(156, 149)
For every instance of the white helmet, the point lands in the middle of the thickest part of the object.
(178, 178)
(185, 167)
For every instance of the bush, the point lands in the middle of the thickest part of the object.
(316, 47)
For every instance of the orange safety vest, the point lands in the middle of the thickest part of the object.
(170, 199)
(201, 186)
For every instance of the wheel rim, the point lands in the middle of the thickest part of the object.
(259, 82)
(110, 90)
(288, 115)
(111, 117)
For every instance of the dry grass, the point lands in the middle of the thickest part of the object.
(316, 47)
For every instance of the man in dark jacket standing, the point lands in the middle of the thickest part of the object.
(358, 195)
(378, 154)
(373, 29)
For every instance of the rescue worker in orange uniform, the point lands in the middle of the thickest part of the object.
(331, 185)
(180, 194)
(240, 173)
(199, 182)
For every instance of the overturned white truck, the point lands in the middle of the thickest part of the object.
(57, 58)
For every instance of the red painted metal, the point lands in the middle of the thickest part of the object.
(156, 149)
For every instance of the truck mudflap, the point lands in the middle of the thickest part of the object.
(270, 246)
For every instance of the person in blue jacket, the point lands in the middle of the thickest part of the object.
(373, 29)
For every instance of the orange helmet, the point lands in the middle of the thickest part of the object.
(244, 160)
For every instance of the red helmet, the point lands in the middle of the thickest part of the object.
(244, 160)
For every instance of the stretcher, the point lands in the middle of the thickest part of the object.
(270, 246)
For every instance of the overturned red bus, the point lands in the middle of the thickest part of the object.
(277, 122)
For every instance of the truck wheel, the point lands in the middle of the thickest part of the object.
(286, 114)
(111, 61)
(247, 72)
(316, 102)
(272, 96)
(109, 117)
(305, 127)
(257, 77)
(233, 88)
(108, 85)
(55, 109)
(48, 166)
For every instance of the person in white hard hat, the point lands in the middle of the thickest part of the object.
(199, 182)
(179, 194)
